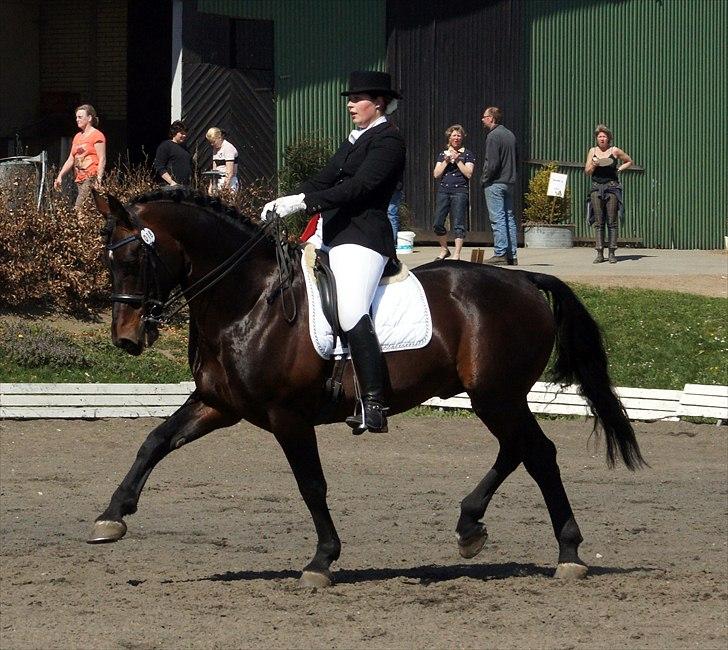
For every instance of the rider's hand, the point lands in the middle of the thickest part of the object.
(284, 206)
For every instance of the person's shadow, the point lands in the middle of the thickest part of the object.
(621, 257)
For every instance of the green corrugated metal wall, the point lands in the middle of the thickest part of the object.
(655, 71)
(317, 44)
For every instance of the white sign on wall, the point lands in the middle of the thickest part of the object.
(557, 184)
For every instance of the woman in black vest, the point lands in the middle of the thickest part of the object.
(352, 194)
(605, 197)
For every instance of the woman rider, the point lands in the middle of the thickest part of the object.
(352, 194)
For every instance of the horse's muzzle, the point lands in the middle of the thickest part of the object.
(128, 345)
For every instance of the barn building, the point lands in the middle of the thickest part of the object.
(270, 71)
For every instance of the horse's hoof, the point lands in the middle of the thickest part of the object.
(571, 571)
(317, 579)
(105, 531)
(474, 545)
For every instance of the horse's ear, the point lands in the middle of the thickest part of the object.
(110, 206)
(102, 204)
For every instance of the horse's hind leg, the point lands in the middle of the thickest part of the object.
(191, 421)
(539, 458)
(471, 532)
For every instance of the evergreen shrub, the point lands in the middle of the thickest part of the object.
(541, 209)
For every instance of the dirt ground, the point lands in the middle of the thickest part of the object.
(211, 559)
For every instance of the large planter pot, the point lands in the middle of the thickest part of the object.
(549, 236)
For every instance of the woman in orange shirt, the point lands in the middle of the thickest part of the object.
(88, 154)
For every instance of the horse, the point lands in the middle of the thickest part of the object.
(251, 356)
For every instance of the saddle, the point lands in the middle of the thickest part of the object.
(326, 283)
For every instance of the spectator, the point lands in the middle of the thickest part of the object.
(454, 167)
(224, 160)
(172, 162)
(498, 181)
(605, 195)
(87, 156)
(393, 209)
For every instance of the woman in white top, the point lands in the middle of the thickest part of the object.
(224, 160)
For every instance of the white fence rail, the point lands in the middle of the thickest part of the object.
(91, 401)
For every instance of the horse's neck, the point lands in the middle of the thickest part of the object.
(208, 241)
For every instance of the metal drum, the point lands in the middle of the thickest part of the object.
(21, 180)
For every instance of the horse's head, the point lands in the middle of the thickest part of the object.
(144, 267)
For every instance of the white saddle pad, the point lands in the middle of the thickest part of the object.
(400, 313)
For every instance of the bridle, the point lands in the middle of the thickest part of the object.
(155, 309)
(150, 298)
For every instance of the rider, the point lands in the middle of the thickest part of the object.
(352, 194)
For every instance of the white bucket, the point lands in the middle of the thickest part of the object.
(405, 242)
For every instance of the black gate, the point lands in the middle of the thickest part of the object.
(227, 82)
(451, 60)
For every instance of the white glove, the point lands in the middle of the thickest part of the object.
(284, 206)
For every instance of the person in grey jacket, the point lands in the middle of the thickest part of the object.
(499, 181)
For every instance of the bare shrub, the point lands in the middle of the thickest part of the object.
(52, 256)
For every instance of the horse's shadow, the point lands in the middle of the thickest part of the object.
(425, 575)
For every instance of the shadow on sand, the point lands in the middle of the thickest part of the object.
(427, 574)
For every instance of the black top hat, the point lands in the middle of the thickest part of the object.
(376, 84)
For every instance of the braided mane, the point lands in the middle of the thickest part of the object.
(211, 204)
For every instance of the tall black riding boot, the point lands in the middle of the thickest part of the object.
(370, 372)
(612, 243)
(599, 245)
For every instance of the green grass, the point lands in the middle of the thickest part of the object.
(661, 339)
(101, 362)
(655, 339)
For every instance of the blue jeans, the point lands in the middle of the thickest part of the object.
(457, 206)
(499, 199)
(393, 212)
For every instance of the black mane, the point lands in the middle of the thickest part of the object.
(189, 196)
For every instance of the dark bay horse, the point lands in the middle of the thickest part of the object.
(252, 358)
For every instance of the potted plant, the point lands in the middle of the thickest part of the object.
(545, 217)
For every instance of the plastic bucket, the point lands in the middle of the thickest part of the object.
(405, 242)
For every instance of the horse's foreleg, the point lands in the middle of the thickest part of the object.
(191, 421)
(471, 532)
(539, 458)
(301, 450)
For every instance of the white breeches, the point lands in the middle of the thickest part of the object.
(357, 271)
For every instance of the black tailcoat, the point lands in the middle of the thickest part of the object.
(354, 189)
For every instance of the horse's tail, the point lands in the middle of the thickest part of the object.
(582, 360)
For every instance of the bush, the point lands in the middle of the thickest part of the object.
(301, 160)
(543, 209)
(37, 345)
(52, 257)
(250, 199)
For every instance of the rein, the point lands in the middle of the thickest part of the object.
(157, 312)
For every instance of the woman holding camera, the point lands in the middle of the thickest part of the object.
(454, 168)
